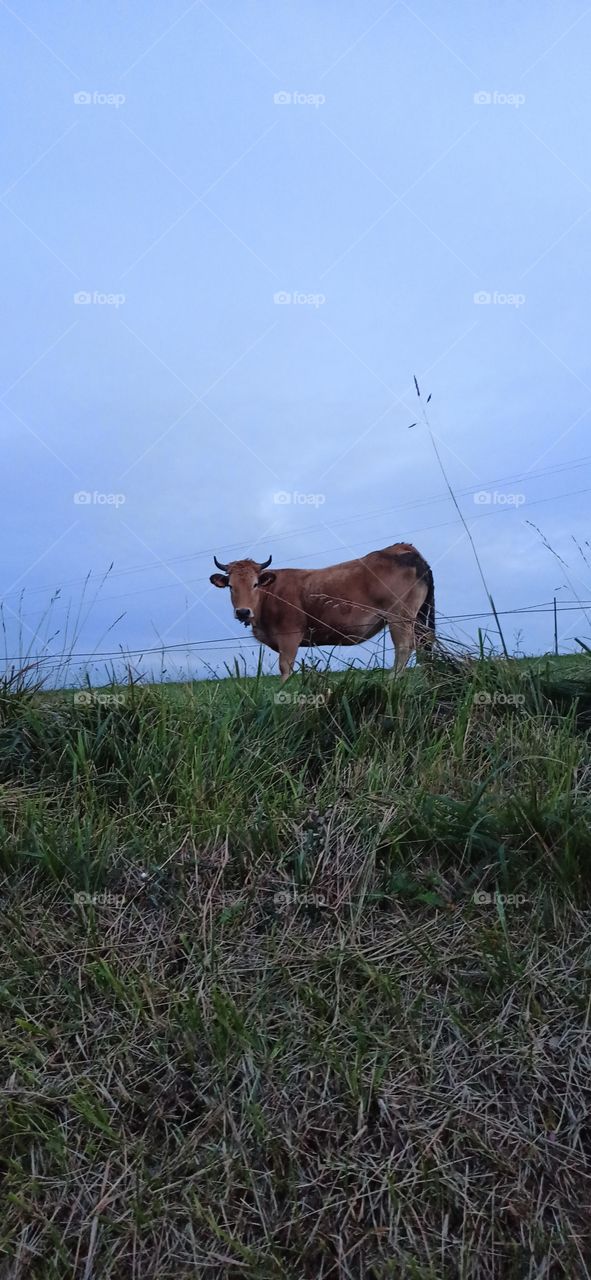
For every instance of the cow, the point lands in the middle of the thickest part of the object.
(344, 604)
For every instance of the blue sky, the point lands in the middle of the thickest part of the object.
(184, 167)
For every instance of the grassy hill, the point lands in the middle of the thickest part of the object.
(297, 982)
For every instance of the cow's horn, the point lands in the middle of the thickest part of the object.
(223, 567)
(265, 565)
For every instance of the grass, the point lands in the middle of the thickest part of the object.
(302, 987)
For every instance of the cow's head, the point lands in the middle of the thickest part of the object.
(243, 577)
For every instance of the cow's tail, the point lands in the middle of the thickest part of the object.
(426, 616)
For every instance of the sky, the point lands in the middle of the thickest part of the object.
(232, 235)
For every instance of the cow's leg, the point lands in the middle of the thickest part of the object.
(403, 639)
(288, 647)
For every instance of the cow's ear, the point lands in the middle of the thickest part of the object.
(219, 579)
(265, 579)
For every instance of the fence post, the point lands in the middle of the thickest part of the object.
(555, 628)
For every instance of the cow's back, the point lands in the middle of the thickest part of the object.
(344, 603)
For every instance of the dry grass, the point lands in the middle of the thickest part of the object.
(292, 1043)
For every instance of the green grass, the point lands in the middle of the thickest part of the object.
(298, 988)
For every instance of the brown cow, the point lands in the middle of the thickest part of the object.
(343, 604)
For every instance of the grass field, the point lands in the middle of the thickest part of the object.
(298, 987)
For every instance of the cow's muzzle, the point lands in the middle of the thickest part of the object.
(243, 615)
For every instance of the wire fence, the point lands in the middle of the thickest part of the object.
(46, 661)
